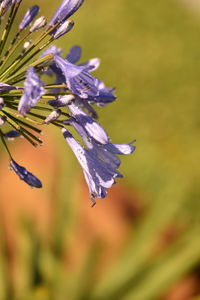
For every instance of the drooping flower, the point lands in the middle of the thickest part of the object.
(98, 164)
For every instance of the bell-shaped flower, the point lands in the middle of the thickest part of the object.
(97, 175)
(78, 80)
(99, 162)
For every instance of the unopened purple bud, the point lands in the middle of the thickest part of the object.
(29, 16)
(64, 28)
(39, 23)
(12, 134)
(65, 10)
(24, 175)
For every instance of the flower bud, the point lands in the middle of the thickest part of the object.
(63, 28)
(39, 23)
(29, 16)
(53, 116)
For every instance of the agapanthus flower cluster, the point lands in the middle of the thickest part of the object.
(26, 101)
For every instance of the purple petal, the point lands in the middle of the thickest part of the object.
(93, 128)
(91, 65)
(121, 149)
(85, 105)
(74, 54)
(79, 81)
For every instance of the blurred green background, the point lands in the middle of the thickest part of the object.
(143, 242)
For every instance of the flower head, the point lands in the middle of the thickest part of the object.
(27, 102)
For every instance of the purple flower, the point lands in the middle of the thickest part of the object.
(78, 80)
(99, 164)
(65, 10)
(33, 90)
(29, 16)
(25, 175)
(97, 175)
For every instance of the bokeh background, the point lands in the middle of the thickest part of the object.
(143, 241)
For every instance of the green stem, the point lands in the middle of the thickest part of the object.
(23, 71)
(5, 145)
(8, 26)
